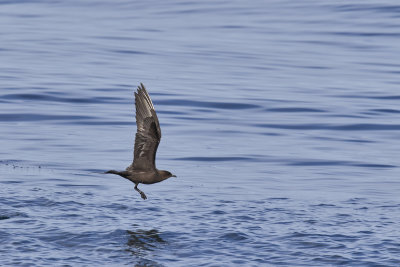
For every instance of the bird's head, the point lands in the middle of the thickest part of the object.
(166, 174)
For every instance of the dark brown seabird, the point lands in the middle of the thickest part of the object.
(143, 168)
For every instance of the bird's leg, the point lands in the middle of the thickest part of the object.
(140, 192)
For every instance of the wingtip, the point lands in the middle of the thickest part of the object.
(141, 87)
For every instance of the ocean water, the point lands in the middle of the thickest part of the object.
(280, 119)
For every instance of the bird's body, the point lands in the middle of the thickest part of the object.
(143, 169)
(142, 177)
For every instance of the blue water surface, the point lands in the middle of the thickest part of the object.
(280, 119)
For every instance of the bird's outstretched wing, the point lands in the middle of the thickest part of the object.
(148, 133)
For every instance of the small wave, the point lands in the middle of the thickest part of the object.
(373, 165)
(324, 205)
(378, 97)
(214, 158)
(217, 105)
(9, 214)
(295, 110)
(132, 52)
(316, 162)
(218, 212)
(40, 117)
(234, 236)
(344, 127)
(385, 110)
(277, 198)
(49, 97)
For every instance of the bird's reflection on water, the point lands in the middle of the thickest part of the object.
(142, 241)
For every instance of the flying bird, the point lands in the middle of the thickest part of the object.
(143, 168)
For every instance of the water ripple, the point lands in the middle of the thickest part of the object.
(206, 104)
(213, 158)
(344, 127)
(234, 236)
(48, 97)
(295, 109)
(41, 117)
(316, 162)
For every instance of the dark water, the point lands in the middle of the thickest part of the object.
(280, 118)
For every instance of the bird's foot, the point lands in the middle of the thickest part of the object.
(143, 195)
(140, 192)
